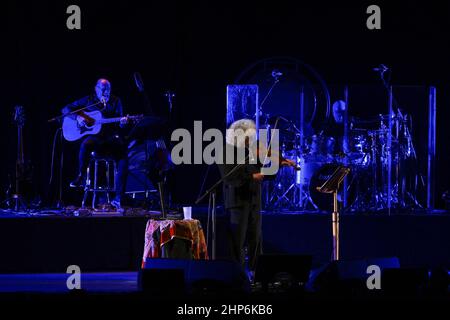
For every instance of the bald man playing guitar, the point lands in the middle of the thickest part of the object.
(107, 140)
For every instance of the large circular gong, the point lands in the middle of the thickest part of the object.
(281, 82)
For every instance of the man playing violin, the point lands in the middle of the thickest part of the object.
(242, 193)
(108, 142)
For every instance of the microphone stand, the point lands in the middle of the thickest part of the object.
(399, 120)
(392, 101)
(73, 112)
(212, 208)
(387, 84)
(259, 111)
(58, 135)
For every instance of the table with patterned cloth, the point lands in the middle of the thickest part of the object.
(183, 239)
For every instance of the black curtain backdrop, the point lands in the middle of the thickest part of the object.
(196, 48)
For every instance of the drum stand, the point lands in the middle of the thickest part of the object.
(280, 198)
(377, 199)
(332, 186)
(295, 196)
(305, 198)
(295, 202)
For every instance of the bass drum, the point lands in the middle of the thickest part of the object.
(148, 162)
(324, 201)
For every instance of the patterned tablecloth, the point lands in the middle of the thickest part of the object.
(160, 236)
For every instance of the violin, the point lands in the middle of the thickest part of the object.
(265, 153)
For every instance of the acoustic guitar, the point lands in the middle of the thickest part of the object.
(88, 123)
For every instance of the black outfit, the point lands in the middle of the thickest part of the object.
(242, 198)
(109, 141)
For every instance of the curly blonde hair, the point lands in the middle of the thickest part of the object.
(240, 130)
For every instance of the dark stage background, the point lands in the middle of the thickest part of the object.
(195, 49)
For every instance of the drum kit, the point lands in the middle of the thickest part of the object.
(379, 151)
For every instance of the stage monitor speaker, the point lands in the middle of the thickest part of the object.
(221, 276)
(162, 281)
(348, 275)
(405, 281)
(439, 281)
(293, 270)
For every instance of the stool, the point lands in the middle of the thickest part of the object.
(94, 184)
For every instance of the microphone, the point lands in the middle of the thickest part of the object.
(169, 94)
(381, 68)
(138, 81)
(103, 100)
(276, 73)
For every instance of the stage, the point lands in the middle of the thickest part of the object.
(117, 293)
(49, 243)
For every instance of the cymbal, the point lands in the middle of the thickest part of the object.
(358, 130)
(364, 121)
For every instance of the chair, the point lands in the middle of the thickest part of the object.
(95, 183)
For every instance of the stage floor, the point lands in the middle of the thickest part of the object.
(112, 282)
(49, 242)
(113, 289)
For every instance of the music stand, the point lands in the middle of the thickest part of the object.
(332, 186)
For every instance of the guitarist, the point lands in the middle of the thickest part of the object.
(109, 141)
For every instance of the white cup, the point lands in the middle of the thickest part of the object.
(187, 211)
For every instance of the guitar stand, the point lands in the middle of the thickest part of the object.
(332, 186)
(18, 203)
